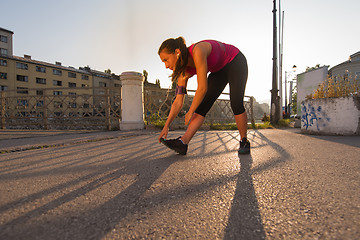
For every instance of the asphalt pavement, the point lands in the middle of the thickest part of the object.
(125, 185)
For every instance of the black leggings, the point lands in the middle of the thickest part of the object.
(235, 73)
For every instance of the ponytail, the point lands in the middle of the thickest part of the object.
(170, 45)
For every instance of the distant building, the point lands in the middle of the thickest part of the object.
(24, 76)
(308, 82)
(102, 80)
(349, 69)
(21, 74)
(6, 45)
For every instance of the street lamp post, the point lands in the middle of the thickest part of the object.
(287, 107)
(290, 95)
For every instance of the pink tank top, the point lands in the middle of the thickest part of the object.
(221, 54)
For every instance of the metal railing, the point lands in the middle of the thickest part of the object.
(158, 102)
(96, 108)
(70, 108)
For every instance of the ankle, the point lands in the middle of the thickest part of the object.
(184, 141)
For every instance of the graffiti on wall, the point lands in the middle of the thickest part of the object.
(312, 116)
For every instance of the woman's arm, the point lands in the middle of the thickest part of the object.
(200, 53)
(175, 107)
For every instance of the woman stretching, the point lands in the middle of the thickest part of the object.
(226, 64)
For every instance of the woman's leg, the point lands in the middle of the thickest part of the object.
(241, 123)
(238, 73)
(196, 121)
(216, 84)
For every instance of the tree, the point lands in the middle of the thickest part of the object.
(312, 68)
(108, 71)
(145, 73)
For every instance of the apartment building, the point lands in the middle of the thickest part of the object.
(101, 80)
(349, 69)
(25, 77)
(6, 42)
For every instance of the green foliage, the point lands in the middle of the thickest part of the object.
(156, 120)
(265, 118)
(283, 123)
(226, 126)
(312, 68)
(232, 126)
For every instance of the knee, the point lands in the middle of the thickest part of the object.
(238, 107)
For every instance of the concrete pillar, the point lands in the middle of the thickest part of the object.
(132, 101)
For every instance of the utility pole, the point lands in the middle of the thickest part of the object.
(275, 108)
(286, 108)
(280, 59)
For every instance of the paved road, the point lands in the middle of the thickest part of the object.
(127, 186)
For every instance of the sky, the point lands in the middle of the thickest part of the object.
(125, 35)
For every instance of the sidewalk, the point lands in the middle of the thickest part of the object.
(20, 140)
(125, 185)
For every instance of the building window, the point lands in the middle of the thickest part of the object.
(3, 39)
(84, 85)
(22, 102)
(72, 93)
(40, 92)
(58, 105)
(357, 75)
(102, 84)
(22, 66)
(84, 77)
(57, 72)
(56, 93)
(22, 90)
(72, 104)
(41, 80)
(40, 103)
(22, 78)
(41, 69)
(3, 62)
(71, 75)
(3, 88)
(72, 85)
(3, 75)
(57, 83)
(3, 51)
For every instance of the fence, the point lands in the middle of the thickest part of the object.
(158, 103)
(61, 108)
(96, 108)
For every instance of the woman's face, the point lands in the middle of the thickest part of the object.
(169, 59)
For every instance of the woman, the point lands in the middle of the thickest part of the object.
(226, 64)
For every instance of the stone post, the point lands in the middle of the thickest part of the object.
(132, 101)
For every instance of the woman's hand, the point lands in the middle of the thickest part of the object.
(188, 117)
(164, 133)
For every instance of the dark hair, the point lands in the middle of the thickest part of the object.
(170, 45)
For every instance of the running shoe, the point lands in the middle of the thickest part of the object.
(175, 144)
(244, 146)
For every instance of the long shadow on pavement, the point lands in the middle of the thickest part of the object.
(245, 218)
